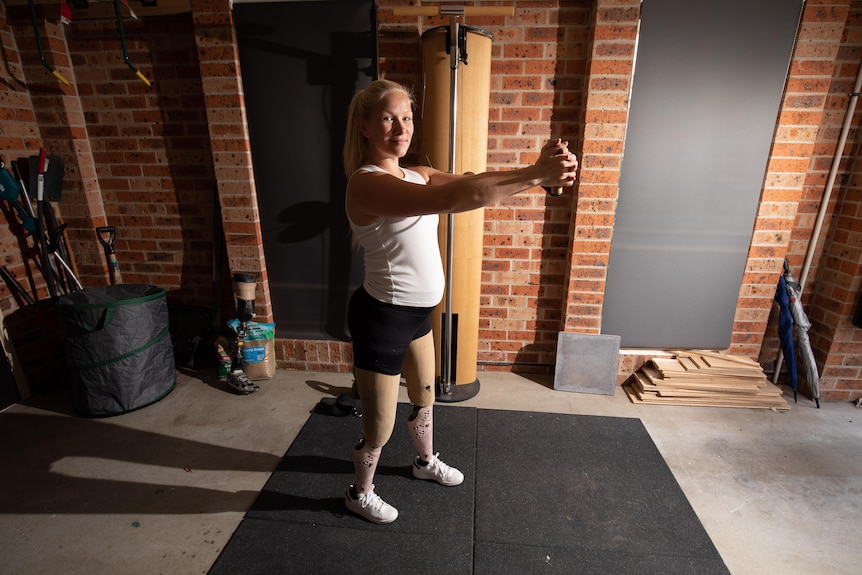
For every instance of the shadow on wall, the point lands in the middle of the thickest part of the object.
(191, 186)
(555, 228)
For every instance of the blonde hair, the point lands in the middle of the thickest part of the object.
(361, 105)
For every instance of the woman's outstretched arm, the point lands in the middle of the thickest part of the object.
(373, 195)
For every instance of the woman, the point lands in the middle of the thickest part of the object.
(393, 212)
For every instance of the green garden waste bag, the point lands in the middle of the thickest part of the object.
(117, 345)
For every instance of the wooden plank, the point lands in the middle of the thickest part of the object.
(722, 383)
(667, 366)
(651, 374)
(643, 383)
(671, 369)
(682, 392)
(718, 359)
(704, 379)
(688, 363)
(711, 387)
(728, 385)
(650, 399)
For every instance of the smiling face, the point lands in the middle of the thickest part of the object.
(389, 128)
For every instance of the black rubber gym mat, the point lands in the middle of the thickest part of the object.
(543, 493)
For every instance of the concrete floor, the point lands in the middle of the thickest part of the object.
(162, 489)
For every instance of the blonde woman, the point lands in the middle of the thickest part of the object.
(393, 212)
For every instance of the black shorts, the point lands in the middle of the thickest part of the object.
(382, 332)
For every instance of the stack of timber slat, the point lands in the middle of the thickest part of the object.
(705, 379)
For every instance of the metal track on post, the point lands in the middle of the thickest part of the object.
(446, 349)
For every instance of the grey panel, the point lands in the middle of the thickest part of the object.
(705, 97)
(587, 363)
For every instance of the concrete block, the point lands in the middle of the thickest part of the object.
(587, 363)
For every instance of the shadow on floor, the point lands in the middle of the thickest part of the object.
(67, 464)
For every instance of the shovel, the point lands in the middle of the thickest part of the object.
(107, 236)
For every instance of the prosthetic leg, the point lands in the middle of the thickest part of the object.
(421, 430)
(365, 460)
(243, 287)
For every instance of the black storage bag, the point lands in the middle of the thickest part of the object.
(117, 346)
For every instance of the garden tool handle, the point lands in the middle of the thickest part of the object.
(110, 254)
(40, 174)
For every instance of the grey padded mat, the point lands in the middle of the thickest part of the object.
(544, 493)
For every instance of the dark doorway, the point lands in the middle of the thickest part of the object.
(301, 63)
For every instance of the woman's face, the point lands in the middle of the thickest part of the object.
(389, 127)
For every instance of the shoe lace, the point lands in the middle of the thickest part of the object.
(440, 468)
(371, 500)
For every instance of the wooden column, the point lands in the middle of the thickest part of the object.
(470, 155)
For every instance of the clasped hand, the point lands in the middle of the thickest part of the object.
(559, 166)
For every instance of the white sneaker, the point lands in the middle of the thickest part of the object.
(370, 506)
(438, 471)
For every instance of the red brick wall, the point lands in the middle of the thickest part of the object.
(823, 73)
(537, 92)
(136, 157)
(151, 149)
(796, 173)
(218, 60)
(609, 81)
(148, 160)
(62, 129)
(538, 81)
(20, 137)
(836, 274)
(31, 328)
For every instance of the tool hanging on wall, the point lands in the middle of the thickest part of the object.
(45, 237)
(123, 43)
(45, 63)
(41, 232)
(16, 288)
(48, 236)
(28, 203)
(107, 236)
(58, 248)
(65, 269)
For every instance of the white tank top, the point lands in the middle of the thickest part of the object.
(402, 256)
